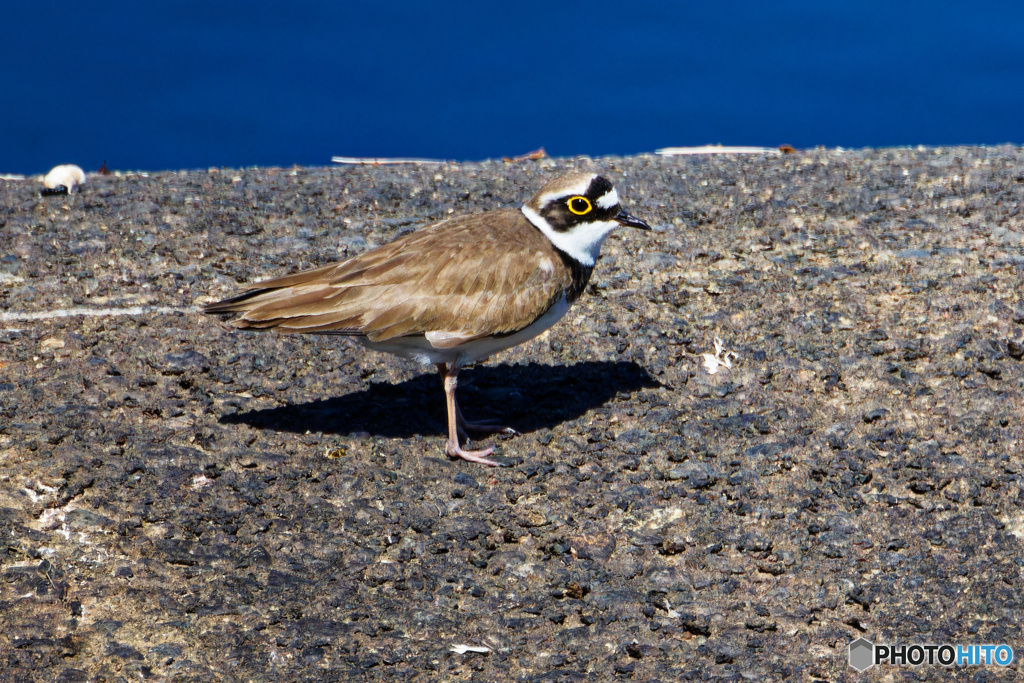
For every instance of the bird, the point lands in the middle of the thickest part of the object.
(454, 292)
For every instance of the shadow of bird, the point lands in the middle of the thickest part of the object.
(529, 397)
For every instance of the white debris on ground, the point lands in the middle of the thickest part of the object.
(715, 149)
(712, 363)
(463, 649)
(372, 161)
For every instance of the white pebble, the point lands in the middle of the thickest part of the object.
(68, 175)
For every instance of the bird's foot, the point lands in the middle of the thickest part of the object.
(454, 450)
(489, 426)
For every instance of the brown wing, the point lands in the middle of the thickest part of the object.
(491, 273)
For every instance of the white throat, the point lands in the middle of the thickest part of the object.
(583, 242)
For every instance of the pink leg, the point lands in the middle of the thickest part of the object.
(453, 449)
(489, 426)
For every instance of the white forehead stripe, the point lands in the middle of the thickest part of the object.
(608, 199)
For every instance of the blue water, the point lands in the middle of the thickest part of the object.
(147, 85)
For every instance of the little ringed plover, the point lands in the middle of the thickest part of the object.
(455, 292)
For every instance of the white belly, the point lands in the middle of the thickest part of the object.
(421, 349)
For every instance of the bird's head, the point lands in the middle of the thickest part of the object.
(576, 212)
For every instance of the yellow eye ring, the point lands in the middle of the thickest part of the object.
(574, 204)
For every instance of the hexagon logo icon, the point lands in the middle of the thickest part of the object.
(862, 654)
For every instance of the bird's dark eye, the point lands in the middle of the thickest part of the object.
(580, 205)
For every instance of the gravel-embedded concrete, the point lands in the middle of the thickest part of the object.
(179, 500)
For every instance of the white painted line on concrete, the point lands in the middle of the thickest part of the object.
(24, 316)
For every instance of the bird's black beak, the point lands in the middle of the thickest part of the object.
(624, 218)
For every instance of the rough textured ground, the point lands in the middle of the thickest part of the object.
(182, 501)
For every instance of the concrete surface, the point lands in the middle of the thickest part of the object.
(180, 501)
